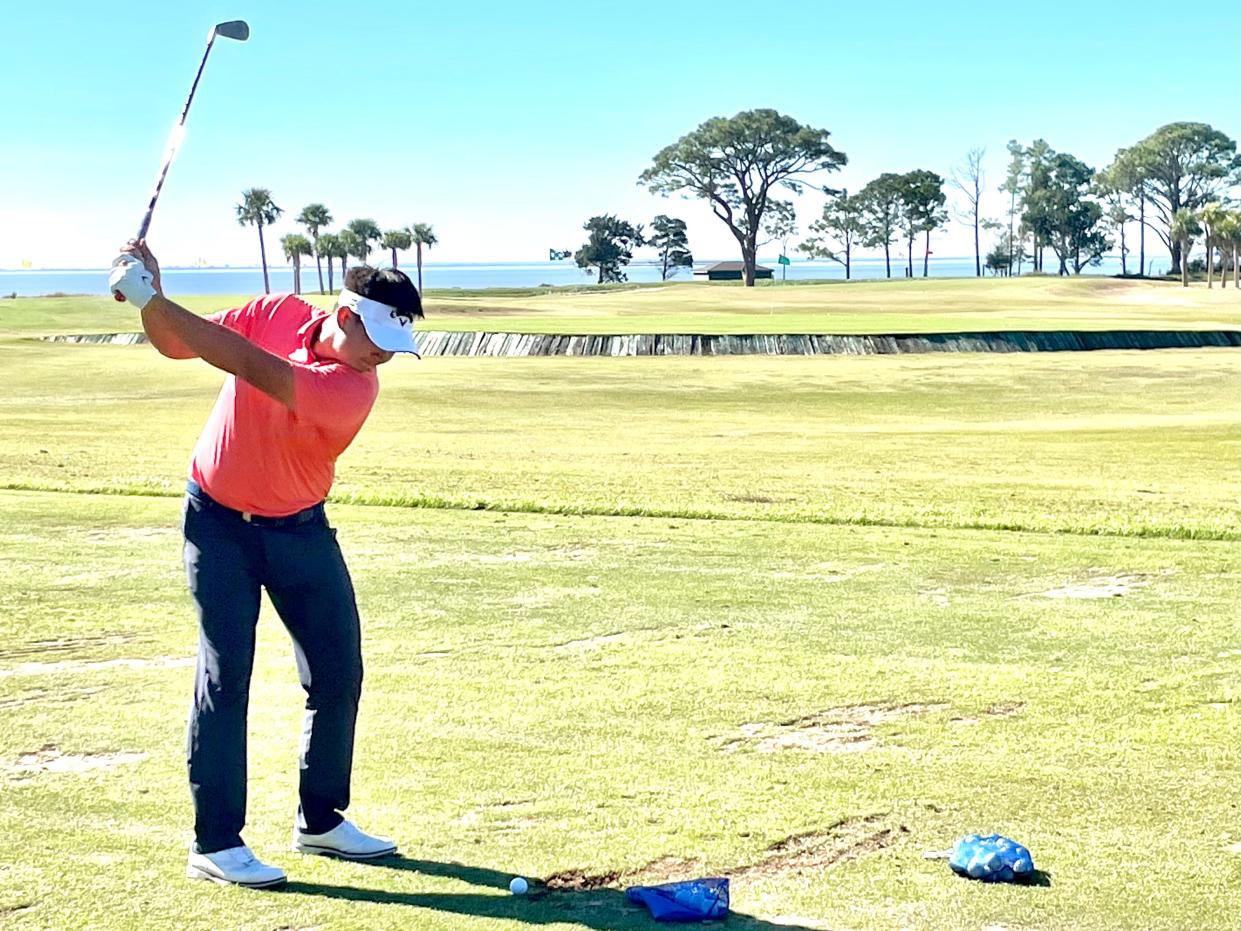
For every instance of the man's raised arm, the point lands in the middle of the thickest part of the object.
(180, 334)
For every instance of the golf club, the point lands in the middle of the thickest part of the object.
(236, 29)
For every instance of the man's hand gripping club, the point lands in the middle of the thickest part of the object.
(135, 275)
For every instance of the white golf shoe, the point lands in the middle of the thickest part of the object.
(236, 866)
(345, 841)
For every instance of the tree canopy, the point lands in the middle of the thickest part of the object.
(837, 231)
(1062, 216)
(396, 240)
(1180, 166)
(610, 247)
(736, 163)
(365, 231)
(672, 244)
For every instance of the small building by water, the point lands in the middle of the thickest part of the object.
(732, 271)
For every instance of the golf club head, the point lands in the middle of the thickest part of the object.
(234, 29)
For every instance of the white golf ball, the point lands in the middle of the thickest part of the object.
(518, 886)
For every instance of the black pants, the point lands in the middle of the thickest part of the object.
(229, 560)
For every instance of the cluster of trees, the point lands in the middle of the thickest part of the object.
(612, 240)
(741, 166)
(891, 208)
(1221, 232)
(357, 239)
(1056, 202)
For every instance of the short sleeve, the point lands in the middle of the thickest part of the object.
(239, 319)
(250, 318)
(333, 397)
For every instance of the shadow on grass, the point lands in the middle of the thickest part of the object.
(603, 909)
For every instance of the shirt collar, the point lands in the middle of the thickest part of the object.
(306, 338)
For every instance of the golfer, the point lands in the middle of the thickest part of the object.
(302, 382)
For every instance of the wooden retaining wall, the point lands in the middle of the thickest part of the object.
(512, 345)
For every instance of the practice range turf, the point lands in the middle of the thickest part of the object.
(791, 620)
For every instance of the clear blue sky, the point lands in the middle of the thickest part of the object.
(506, 125)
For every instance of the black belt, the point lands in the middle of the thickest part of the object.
(304, 516)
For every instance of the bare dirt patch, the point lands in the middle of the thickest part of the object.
(542, 557)
(589, 643)
(1099, 585)
(821, 850)
(816, 850)
(130, 534)
(1003, 710)
(581, 881)
(838, 730)
(547, 595)
(58, 696)
(574, 552)
(65, 645)
(829, 572)
(50, 759)
(39, 669)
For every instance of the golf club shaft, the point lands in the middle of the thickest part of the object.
(174, 142)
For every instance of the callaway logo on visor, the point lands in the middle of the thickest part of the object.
(386, 327)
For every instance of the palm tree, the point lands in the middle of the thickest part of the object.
(1211, 216)
(330, 247)
(314, 217)
(1183, 228)
(258, 209)
(396, 239)
(1229, 233)
(295, 245)
(423, 236)
(365, 231)
(350, 244)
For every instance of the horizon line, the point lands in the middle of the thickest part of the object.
(546, 262)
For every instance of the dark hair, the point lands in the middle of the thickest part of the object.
(388, 286)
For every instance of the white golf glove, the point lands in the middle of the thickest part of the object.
(132, 280)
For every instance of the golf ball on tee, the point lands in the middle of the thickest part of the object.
(518, 886)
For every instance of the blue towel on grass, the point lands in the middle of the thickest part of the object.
(991, 859)
(695, 900)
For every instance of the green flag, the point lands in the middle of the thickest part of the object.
(784, 260)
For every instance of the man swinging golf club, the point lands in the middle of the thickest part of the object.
(301, 385)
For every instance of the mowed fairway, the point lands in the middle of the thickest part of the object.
(932, 305)
(637, 619)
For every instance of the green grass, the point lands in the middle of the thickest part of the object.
(897, 306)
(1134, 443)
(556, 693)
(591, 588)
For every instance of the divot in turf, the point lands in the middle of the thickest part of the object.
(839, 730)
(50, 759)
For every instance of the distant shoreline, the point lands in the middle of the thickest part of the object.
(897, 263)
(466, 276)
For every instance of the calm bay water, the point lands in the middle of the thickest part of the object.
(34, 282)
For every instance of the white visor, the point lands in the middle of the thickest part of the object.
(387, 329)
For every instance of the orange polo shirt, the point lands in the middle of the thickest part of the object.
(257, 455)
